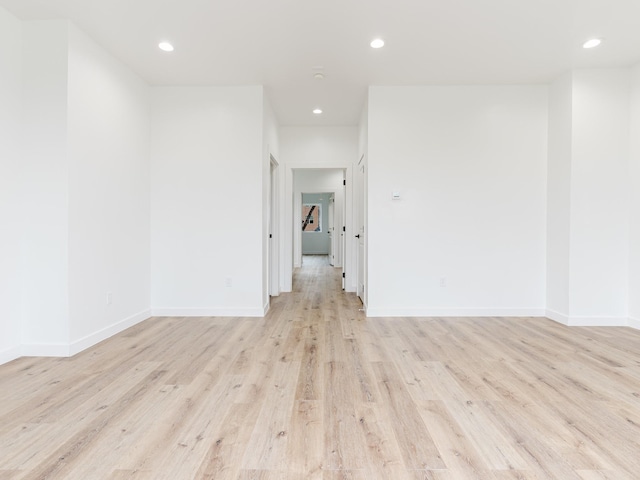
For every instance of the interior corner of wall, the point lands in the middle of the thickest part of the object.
(10, 354)
(558, 317)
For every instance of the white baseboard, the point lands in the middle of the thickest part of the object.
(45, 350)
(266, 308)
(558, 317)
(455, 312)
(10, 354)
(575, 321)
(97, 337)
(207, 312)
(634, 323)
(598, 321)
(68, 350)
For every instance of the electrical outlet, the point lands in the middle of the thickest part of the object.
(443, 282)
(228, 282)
(109, 298)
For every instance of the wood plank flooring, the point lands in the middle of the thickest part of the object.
(317, 391)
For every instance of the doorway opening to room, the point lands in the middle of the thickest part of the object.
(321, 237)
(318, 229)
(321, 216)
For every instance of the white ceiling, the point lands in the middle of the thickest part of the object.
(279, 43)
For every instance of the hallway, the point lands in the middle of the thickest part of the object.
(316, 391)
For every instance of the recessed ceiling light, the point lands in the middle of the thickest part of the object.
(317, 111)
(318, 76)
(165, 46)
(594, 42)
(377, 43)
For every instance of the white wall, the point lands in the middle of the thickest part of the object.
(588, 228)
(363, 131)
(109, 193)
(86, 198)
(600, 197)
(559, 196)
(316, 148)
(206, 200)
(318, 180)
(470, 164)
(45, 328)
(271, 149)
(361, 207)
(10, 184)
(634, 214)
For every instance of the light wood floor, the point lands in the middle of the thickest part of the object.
(316, 391)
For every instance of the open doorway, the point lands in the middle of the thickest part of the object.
(332, 226)
(320, 269)
(317, 228)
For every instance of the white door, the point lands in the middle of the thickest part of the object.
(343, 237)
(360, 229)
(330, 231)
(273, 277)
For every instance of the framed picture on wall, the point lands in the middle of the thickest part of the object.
(311, 217)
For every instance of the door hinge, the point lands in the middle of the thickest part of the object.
(344, 229)
(344, 182)
(270, 235)
(343, 275)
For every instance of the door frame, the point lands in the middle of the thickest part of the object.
(273, 264)
(287, 225)
(297, 220)
(331, 229)
(360, 228)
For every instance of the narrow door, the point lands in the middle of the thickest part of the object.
(273, 274)
(360, 229)
(343, 237)
(330, 231)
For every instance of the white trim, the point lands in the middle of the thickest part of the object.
(108, 332)
(558, 317)
(45, 350)
(286, 220)
(273, 243)
(207, 312)
(505, 312)
(455, 312)
(10, 354)
(598, 322)
(572, 321)
(266, 308)
(73, 348)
